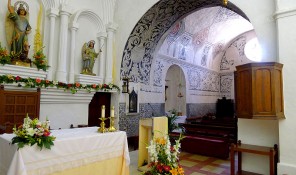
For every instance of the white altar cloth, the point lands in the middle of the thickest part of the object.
(72, 148)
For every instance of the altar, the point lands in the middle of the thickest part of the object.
(75, 151)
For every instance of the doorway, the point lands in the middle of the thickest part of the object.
(175, 90)
(94, 108)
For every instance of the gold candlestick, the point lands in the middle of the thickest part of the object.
(112, 127)
(102, 128)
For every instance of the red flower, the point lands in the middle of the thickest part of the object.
(104, 85)
(17, 78)
(159, 168)
(94, 85)
(77, 84)
(166, 168)
(46, 133)
(69, 85)
(38, 80)
(47, 81)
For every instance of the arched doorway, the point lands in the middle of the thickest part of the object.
(175, 90)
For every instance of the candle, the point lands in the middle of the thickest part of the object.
(112, 111)
(103, 111)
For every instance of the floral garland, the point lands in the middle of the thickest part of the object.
(73, 88)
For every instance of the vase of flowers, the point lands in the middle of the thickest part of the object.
(164, 157)
(33, 132)
(40, 60)
(4, 56)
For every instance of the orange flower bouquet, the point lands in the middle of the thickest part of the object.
(40, 60)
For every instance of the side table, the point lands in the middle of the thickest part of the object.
(254, 149)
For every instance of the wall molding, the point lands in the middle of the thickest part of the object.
(24, 72)
(285, 13)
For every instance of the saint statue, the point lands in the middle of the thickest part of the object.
(89, 56)
(17, 29)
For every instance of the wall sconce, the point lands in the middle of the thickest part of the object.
(125, 85)
(225, 2)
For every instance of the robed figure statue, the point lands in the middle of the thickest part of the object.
(17, 29)
(89, 56)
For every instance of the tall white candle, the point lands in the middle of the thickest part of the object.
(103, 112)
(112, 111)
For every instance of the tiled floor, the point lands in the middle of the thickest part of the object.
(192, 164)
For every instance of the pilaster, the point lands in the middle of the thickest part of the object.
(102, 45)
(111, 29)
(61, 74)
(52, 14)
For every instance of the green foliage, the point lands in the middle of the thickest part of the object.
(4, 56)
(40, 60)
(72, 87)
(172, 117)
(33, 132)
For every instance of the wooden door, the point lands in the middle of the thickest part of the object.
(14, 107)
(94, 108)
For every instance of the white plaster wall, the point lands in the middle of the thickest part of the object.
(260, 14)
(257, 132)
(286, 23)
(63, 115)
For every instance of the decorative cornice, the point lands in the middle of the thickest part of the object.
(54, 96)
(24, 72)
(102, 35)
(53, 12)
(88, 79)
(285, 13)
(112, 27)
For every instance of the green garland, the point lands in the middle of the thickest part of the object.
(73, 88)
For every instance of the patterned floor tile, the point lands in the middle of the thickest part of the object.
(213, 169)
(187, 163)
(222, 162)
(198, 157)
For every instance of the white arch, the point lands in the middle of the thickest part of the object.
(90, 15)
(48, 4)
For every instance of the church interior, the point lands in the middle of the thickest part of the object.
(222, 68)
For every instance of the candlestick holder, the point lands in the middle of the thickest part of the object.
(102, 128)
(112, 127)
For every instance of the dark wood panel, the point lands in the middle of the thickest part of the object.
(14, 106)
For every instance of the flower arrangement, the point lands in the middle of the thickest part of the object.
(40, 60)
(33, 132)
(164, 157)
(72, 87)
(4, 56)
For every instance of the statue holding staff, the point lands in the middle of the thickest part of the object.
(18, 28)
(89, 56)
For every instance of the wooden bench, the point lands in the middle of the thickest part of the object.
(208, 146)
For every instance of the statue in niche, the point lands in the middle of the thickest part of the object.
(89, 56)
(17, 30)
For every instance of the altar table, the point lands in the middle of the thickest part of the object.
(81, 151)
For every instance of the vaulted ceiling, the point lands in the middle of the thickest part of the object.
(208, 24)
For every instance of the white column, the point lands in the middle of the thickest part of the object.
(52, 14)
(73, 27)
(111, 29)
(61, 74)
(102, 45)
